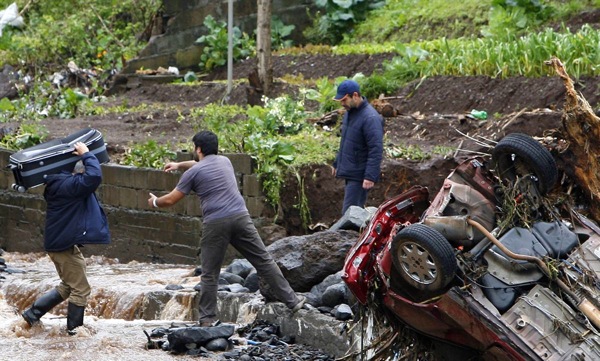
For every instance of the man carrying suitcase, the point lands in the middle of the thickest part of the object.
(73, 218)
(225, 221)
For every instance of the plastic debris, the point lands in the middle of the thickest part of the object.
(479, 114)
(10, 16)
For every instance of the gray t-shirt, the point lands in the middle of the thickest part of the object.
(213, 180)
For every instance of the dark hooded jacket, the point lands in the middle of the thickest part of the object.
(361, 144)
(73, 214)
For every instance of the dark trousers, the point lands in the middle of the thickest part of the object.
(354, 195)
(239, 231)
(70, 266)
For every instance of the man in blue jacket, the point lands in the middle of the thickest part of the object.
(358, 160)
(73, 218)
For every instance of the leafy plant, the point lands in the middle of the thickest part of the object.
(280, 31)
(378, 84)
(515, 16)
(221, 119)
(323, 94)
(281, 115)
(149, 155)
(27, 135)
(272, 156)
(338, 18)
(215, 44)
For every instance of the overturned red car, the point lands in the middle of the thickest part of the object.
(493, 265)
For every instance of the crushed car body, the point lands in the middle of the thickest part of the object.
(491, 264)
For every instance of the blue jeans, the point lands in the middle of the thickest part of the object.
(354, 195)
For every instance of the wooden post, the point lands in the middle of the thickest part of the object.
(263, 45)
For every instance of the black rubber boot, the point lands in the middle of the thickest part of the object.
(74, 317)
(42, 305)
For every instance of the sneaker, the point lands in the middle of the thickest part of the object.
(299, 305)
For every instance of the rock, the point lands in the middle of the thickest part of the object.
(240, 266)
(306, 260)
(335, 294)
(343, 312)
(319, 289)
(172, 287)
(8, 83)
(271, 233)
(159, 332)
(251, 282)
(235, 288)
(180, 337)
(355, 218)
(231, 278)
(326, 310)
(218, 344)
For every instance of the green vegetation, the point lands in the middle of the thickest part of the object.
(405, 21)
(408, 20)
(215, 44)
(338, 18)
(28, 135)
(93, 34)
(149, 155)
(275, 135)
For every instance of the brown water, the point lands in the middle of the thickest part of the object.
(122, 294)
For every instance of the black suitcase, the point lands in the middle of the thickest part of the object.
(31, 166)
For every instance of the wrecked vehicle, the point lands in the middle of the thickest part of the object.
(492, 265)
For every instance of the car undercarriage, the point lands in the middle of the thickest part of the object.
(497, 263)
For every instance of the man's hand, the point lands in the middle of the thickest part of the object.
(80, 148)
(152, 201)
(367, 184)
(333, 171)
(171, 166)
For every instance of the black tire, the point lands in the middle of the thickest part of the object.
(423, 258)
(518, 155)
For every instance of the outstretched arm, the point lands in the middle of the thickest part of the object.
(167, 200)
(172, 166)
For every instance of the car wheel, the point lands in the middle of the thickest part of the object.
(518, 155)
(423, 258)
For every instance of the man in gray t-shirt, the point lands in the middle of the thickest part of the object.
(225, 221)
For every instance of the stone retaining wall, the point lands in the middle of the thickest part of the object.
(173, 43)
(166, 235)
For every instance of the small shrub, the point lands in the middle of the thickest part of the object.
(280, 31)
(149, 155)
(27, 135)
(215, 44)
(338, 18)
(323, 94)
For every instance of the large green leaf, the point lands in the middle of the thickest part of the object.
(345, 4)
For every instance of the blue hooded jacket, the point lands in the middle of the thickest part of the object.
(361, 144)
(73, 214)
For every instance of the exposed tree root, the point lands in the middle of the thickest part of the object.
(581, 130)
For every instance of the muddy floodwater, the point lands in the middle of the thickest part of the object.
(113, 328)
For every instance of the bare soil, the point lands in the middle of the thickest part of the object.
(430, 114)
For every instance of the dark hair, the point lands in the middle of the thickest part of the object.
(207, 141)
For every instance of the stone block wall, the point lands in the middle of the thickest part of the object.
(184, 23)
(140, 233)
